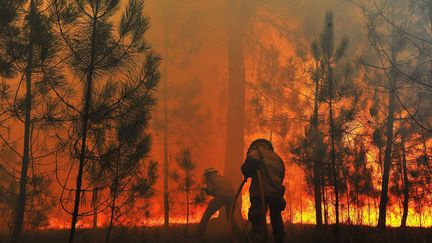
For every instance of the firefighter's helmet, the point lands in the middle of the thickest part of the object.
(262, 141)
(209, 171)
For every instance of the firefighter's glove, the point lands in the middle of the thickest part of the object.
(250, 167)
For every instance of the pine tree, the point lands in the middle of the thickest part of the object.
(124, 110)
(107, 55)
(28, 48)
(186, 180)
(333, 87)
(394, 45)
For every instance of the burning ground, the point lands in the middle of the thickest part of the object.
(341, 88)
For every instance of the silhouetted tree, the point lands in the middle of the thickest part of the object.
(389, 46)
(123, 142)
(239, 15)
(334, 89)
(108, 54)
(185, 180)
(360, 178)
(28, 48)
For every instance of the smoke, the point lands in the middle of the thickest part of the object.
(191, 38)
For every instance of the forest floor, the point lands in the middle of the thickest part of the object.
(216, 233)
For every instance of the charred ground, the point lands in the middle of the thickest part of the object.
(217, 233)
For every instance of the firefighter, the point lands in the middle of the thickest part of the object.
(222, 192)
(266, 191)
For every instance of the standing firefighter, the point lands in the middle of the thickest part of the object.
(267, 171)
(222, 192)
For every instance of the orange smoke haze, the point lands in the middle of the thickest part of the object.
(192, 43)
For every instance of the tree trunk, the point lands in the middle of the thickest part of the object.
(419, 206)
(405, 184)
(333, 149)
(20, 210)
(425, 150)
(324, 199)
(389, 145)
(165, 5)
(112, 211)
(387, 162)
(85, 118)
(94, 195)
(380, 159)
(165, 139)
(236, 96)
(317, 197)
(94, 202)
(316, 162)
(348, 201)
(187, 209)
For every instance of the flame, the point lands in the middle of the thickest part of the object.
(366, 215)
(300, 204)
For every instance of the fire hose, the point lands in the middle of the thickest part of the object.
(231, 213)
(234, 204)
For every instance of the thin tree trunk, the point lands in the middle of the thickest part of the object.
(85, 118)
(324, 198)
(317, 164)
(389, 143)
(348, 201)
(115, 187)
(388, 149)
(187, 204)
(165, 142)
(165, 129)
(94, 198)
(376, 206)
(405, 184)
(166, 168)
(112, 211)
(418, 199)
(333, 149)
(187, 213)
(94, 202)
(425, 151)
(387, 163)
(317, 197)
(380, 159)
(20, 210)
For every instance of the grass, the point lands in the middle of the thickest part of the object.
(216, 233)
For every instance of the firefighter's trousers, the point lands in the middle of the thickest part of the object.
(213, 206)
(258, 219)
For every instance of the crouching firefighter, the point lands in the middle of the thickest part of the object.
(266, 191)
(223, 194)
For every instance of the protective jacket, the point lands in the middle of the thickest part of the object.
(223, 196)
(272, 171)
(219, 187)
